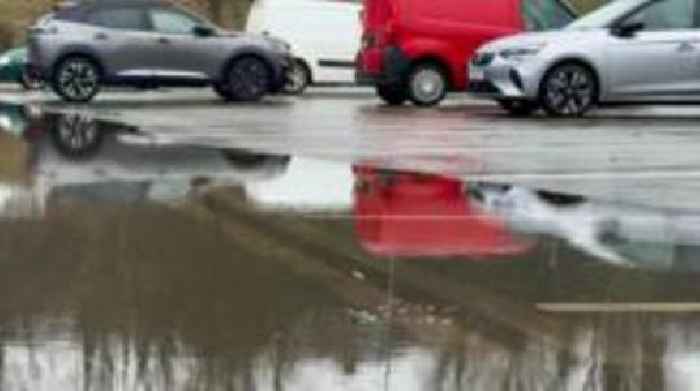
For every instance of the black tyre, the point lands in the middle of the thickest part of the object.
(568, 90)
(76, 79)
(392, 94)
(427, 84)
(518, 108)
(223, 91)
(298, 78)
(30, 81)
(249, 79)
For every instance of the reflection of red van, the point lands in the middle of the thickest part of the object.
(418, 49)
(418, 215)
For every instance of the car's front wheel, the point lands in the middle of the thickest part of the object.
(518, 108)
(249, 79)
(568, 90)
(76, 79)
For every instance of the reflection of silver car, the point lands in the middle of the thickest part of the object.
(626, 51)
(617, 234)
(151, 43)
(76, 156)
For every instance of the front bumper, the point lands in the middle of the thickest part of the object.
(281, 74)
(505, 79)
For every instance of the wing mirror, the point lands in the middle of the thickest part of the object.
(627, 30)
(203, 31)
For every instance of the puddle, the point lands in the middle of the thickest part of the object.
(128, 263)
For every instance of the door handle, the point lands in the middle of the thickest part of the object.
(163, 40)
(101, 37)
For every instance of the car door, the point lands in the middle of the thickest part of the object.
(120, 39)
(179, 52)
(336, 38)
(661, 60)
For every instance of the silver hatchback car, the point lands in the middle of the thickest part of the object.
(627, 51)
(150, 43)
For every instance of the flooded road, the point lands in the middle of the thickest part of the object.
(134, 264)
(645, 155)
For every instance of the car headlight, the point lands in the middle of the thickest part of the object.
(521, 52)
(5, 60)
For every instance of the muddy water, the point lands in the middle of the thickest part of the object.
(131, 265)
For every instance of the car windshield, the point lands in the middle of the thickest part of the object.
(540, 15)
(606, 15)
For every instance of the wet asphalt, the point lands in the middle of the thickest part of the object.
(164, 240)
(632, 154)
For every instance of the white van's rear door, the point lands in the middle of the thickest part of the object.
(339, 41)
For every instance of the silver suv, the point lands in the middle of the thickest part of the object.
(627, 51)
(150, 43)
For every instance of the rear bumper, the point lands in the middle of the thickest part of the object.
(382, 66)
(11, 72)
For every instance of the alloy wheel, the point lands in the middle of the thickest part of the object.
(77, 136)
(77, 80)
(568, 90)
(249, 79)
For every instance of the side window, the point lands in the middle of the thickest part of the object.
(173, 22)
(125, 19)
(667, 15)
(540, 15)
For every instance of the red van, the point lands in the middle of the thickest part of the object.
(418, 49)
(404, 214)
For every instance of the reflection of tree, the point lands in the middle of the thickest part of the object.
(154, 299)
(150, 294)
(612, 352)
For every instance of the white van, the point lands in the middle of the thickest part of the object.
(324, 34)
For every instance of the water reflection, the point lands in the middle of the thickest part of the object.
(414, 214)
(255, 284)
(618, 234)
(54, 156)
(308, 186)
